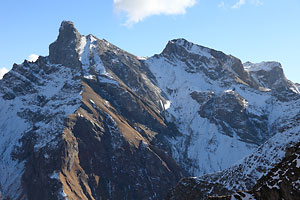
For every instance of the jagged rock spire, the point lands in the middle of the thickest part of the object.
(63, 50)
(68, 30)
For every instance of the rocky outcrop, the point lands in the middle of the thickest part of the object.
(63, 50)
(229, 110)
(270, 76)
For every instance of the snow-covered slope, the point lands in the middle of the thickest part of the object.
(245, 174)
(202, 143)
(35, 102)
(217, 105)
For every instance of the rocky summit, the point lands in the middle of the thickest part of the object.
(92, 121)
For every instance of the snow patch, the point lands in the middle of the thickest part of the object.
(142, 58)
(167, 105)
(298, 163)
(91, 61)
(245, 196)
(295, 89)
(54, 175)
(193, 48)
(63, 194)
(262, 66)
(91, 77)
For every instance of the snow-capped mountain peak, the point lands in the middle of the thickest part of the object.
(72, 120)
(188, 46)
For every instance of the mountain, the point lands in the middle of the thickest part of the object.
(72, 130)
(218, 105)
(91, 121)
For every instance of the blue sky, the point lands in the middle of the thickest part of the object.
(252, 30)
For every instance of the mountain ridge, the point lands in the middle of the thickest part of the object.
(100, 108)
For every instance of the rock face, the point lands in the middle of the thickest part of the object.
(269, 74)
(91, 121)
(63, 50)
(231, 108)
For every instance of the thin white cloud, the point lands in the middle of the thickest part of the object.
(2, 72)
(239, 4)
(32, 57)
(137, 10)
(221, 4)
